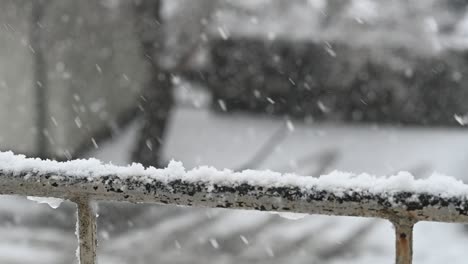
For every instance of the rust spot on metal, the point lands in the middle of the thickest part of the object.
(403, 249)
(404, 242)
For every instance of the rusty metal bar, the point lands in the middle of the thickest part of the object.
(404, 242)
(174, 186)
(86, 231)
(287, 198)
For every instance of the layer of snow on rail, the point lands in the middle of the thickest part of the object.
(335, 182)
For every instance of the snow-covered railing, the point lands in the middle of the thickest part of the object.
(401, 199)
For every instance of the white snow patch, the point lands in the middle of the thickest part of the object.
(461, 119)
(54, 203)
(214, 243)
(290, 216)
(244, 239)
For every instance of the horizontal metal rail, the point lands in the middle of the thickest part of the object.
(403, 209)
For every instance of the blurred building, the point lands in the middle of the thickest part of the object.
(372, 61)
(69, 71)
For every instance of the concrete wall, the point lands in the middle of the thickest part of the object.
(93, 71)
(17, 130)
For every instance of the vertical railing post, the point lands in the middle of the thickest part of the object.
(404, 242)
(86, 232)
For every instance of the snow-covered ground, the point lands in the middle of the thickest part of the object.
(187, 235)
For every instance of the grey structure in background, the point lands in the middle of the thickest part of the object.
(85, 58)
(391, 65)
(16, 77)
(156, 100)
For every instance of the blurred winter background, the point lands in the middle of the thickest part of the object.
(304, 86)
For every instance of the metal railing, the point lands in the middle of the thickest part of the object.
(403, 209)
